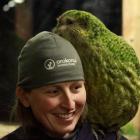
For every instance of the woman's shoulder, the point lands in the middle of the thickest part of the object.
(87, 133)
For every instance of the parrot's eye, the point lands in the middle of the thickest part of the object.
(84, 24)
(69, 21)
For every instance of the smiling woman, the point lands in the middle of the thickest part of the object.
(51, 101)
(57, 107)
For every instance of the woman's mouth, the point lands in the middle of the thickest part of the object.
(65, 116)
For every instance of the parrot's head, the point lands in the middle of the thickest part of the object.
(76, 26)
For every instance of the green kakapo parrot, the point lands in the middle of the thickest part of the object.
(111, 67)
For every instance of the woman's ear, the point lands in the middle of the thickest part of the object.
(22, 96)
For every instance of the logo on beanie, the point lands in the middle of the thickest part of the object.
(66, 62)
(49, 64)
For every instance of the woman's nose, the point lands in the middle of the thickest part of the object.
(68, 101)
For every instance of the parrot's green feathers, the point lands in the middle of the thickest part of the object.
(111, 69)
(83, 27)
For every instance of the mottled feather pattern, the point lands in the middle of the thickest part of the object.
(96, 33)
(111, 69)
(107, 98)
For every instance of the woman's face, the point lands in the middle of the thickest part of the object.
(59, 106)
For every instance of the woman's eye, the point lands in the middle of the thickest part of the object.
(53, 91)
(76, 88)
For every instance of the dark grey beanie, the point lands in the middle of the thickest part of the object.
(47, 59)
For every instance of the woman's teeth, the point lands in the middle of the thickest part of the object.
(65, 116)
